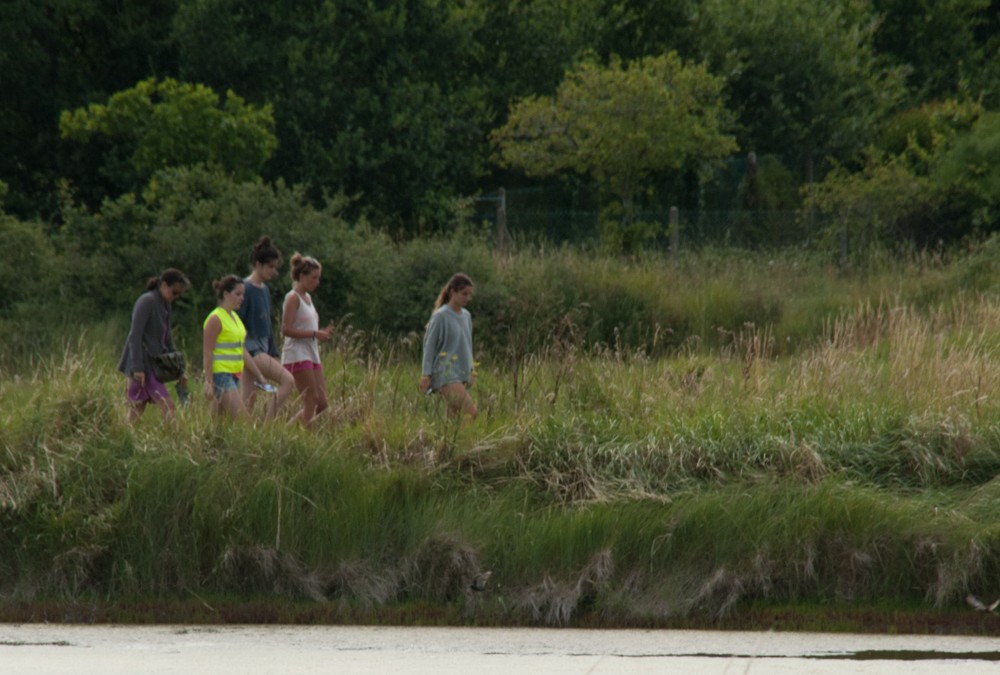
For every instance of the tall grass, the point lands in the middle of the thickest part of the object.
(857, 465)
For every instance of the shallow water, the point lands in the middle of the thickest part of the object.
(55, 648)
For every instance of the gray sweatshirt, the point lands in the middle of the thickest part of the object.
(448, 347)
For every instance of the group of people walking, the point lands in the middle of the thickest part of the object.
(241, 355)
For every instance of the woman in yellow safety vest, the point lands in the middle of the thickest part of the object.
(225, 354)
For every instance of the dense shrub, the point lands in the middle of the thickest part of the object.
(526, 301)
(27, 263)
(392, 286)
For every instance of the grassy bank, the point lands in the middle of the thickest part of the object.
(854, 469)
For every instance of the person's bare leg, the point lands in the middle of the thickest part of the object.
(248, 392)
(322, 403)
(305, 384)
(459, 401)
(167, 409)
(135, 410)
(272, 369)
(232, 404)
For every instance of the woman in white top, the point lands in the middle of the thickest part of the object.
(300, 327)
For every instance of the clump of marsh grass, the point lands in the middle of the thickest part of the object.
(260, 569)
(442, 569)
(363, 584)
(557, 602)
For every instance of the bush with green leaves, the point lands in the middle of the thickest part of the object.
(925, 183)
(203, 222)
(621, 124)
(159, 124)
(393, 285)
(968, 172)
(28, 265)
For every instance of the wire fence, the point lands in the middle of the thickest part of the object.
(526, 220)
(710, 211)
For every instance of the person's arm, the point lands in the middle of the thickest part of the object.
(244, 310)
(472, 357)
(212, 329)
(142, 313)
(324, 334)
(432, 345)
(168, 338)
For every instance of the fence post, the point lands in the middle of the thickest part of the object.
(675, 231)
(502, 237)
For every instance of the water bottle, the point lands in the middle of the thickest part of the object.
(182, 392)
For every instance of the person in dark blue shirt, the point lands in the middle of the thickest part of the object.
(255, 312)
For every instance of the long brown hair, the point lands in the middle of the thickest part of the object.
(264, 252)
(225, 285)
(457, 282)
(170, 277)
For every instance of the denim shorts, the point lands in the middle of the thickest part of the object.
(224, 382)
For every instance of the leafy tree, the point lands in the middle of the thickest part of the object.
(159, 124)
(919, 185)
(939, 40)
(529, 44)
(928, 127)
(632, 29)
(804, 77)
(620, 124)
(867, 207)
(204, 222)
(25, 252)
(60, 54)
(970, 170)
(382, 101)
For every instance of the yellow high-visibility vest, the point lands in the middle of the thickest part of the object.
(227, 357)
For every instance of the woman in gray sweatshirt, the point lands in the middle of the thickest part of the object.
(448, 366)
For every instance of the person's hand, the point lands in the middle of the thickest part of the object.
(209, 390)
(424, 384)
(472, 374)
(140, 377)
(323, 335)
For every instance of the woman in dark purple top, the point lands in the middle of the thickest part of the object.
(255, 312)
(148, 336)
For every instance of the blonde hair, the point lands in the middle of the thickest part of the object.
(303, 264)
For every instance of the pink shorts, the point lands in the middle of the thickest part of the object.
(154, 390)
(302, 365)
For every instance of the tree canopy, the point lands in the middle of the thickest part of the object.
(392, 103)
(620, 124)
(160, 124)
(804, 77)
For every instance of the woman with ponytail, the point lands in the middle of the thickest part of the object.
(224, 350)
(448, 366)
(148, 337)
(300, 350)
